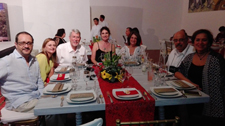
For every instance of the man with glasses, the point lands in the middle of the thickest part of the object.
(182, 49)
(20, 78)
(66, 51)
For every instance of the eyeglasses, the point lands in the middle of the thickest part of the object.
(178, 40)
(25, 43)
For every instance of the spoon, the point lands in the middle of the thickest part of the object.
(145, 94)
(62, 98)
(100, 96)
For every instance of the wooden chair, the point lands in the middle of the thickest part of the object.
(154, 122)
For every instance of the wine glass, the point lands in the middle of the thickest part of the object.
(95, 75)
(86, 77)
(74, 61)
(130, 72)
(72, 75)
(123, 73)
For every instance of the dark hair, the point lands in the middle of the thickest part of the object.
(135, 30)
(23, 32)
(105, 28)
(60, 32)
(96, 19)
(222, 28)
(129, 28)
(102, 16)
(207, 33)
(138, 38)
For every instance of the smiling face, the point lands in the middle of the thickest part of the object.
(24, 45)
(74, 39)
(50, 47)
(180, 41)
(105, 35)
(133, 40)
(201, 43)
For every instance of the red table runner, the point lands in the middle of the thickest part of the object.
(132, 110)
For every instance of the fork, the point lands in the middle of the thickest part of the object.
(142, 96)
(108, 94)
(152, 95)
(100, 96)
(183, 94)
(62, 98)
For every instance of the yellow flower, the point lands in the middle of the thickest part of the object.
(106, 75)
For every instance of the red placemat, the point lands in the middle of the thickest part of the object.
(132, 110)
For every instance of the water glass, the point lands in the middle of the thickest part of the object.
(86, 78)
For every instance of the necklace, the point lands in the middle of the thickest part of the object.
(201, 56)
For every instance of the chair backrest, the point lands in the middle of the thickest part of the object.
(96, 122)
(155, 122)
(6, 51)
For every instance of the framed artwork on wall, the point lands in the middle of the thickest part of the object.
(4, 23)
(205, 5)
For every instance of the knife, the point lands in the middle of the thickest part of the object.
(142, 95)
(109, 97)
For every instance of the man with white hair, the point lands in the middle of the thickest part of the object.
(66, 51)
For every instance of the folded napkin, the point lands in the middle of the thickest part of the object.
(164, 90)
(127, 93)
(64, 69)
(192, 93)
(181, 84)
(81, 95)
(131, 63)
(58, 87)
(61, 77)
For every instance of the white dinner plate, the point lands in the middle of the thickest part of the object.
(168, 94)
(81, 101)
(126, 98)
(51, 86)
(54, 77)
(171, 83)
(57, 70)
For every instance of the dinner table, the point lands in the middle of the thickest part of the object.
(49, 105)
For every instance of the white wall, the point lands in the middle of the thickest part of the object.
(155, 19)
(210, 20)
(42, 18)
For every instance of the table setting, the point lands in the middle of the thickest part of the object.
(118, 98)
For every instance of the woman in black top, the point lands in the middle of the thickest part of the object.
(102, 46)
(59, 36)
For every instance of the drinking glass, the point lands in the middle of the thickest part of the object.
(86, 78)
(102, 57)
(124, 75)
(95, 75)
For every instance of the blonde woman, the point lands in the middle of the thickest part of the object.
(46, 59)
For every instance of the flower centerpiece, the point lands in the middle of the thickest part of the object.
(96, 38)
(111, 70)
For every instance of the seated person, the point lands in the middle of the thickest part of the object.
(205, 69)
(95, 31)
(59, 36)
(102, 47)
(66, 51)
(20, 77)
(46, 59)
(181, 50)
(132, 50)
(221, 36)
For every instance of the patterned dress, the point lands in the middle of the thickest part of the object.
(213, 82)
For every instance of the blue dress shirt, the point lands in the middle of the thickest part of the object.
(19, 82)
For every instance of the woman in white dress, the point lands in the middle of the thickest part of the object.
(133, 51)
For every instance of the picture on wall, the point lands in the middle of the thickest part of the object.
(205, 5)
(4, 23)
